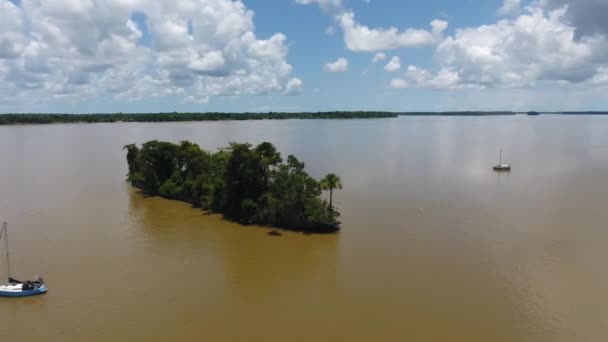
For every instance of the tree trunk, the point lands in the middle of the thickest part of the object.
(331, 197)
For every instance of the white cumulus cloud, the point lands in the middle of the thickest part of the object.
(393, 65)
(294, 87)
(361, 38)
(510, 7)
(340, 65)
(199, 49)
(443, 79)
(537, 46)
(378, 57)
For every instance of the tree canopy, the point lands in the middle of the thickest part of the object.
(331, 182)
(251, 185)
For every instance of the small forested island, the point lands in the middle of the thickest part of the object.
(250, 185)
(15, 119)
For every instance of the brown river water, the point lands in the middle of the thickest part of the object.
(435, 246)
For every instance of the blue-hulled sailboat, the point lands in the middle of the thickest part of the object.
(14, 287)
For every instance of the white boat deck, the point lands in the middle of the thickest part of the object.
(11, 288)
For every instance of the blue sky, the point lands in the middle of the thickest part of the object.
(302, 55)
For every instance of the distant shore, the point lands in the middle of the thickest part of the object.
(578, 113)
(19, 119)
(32, 118)
(464, 113)
(476, 113)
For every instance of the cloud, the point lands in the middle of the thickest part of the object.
(398, 83)
(535, 47)
(393, 65)
(601, 77)
(294, 87)
(199, 49)
(510, 7)
(12, 40)
(326, 5)
(341, 65)
(378, 57)
(361, 38)
(587, 16)
(443, 79)
(197, 100)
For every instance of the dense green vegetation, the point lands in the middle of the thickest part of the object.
(8, 119)
(251, 185)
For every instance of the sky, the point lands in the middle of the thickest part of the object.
(93, 56)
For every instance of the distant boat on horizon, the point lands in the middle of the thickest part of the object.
(501, 166)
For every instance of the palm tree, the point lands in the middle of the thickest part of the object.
(331, 182)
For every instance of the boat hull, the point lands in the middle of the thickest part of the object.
(26, 293)
(502, 167)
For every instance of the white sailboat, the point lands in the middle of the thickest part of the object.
(14, 287)
(501, 166)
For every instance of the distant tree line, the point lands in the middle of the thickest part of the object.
(8, 119)
(251, 185)
(474, 113)
(465, 113)
(584, 113)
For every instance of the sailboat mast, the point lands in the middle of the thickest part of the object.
(500, 158)
(8, 258)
